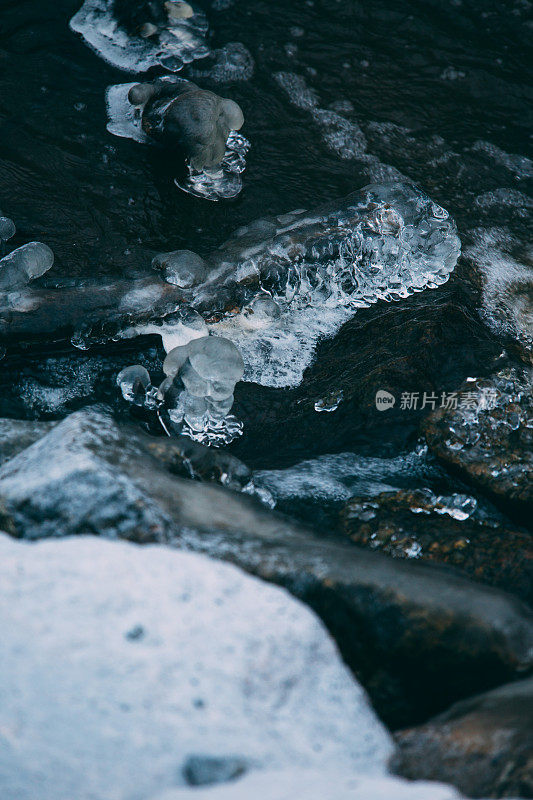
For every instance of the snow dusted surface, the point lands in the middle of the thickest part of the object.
(119, 662)
(314, 785)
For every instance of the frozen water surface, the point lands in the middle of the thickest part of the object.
(382, 243)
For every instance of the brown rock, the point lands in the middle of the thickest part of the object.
(444, 529)
(490, 442)
(483, 745)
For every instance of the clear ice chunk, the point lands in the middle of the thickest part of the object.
(181, 267)
(199, 388)
(24, 265)
(382, 243)
(7, 228)
(133, 382)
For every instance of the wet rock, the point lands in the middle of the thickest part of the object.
(404, 628)
(447, 530)
(205, 771)
(17, 434)
(488, 437)
(100, 308)
(93, 713)
(179, 114)
(482, 745)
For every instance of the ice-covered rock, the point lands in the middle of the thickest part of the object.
(24, 264)
(487, 434)
(196, 126)
(404, 627)
(381, 243)
(133, 381)
(135, 36)
(181, 115)
(122, 663)
(316, 785)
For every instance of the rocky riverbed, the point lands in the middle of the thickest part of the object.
(266, 411)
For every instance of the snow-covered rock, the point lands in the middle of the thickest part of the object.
(314, 785)
(120, 663)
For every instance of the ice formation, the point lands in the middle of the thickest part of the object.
(199, 125)
(315, 269)
(7, 230)
(135, 36)
(230, 63)
(197, 393)
(24, 265)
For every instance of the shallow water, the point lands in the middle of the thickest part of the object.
(436, 91)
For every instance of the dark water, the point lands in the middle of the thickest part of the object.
(427, 82)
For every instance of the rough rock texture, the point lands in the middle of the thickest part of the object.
(445, 529)
(120, 663)
(312, 785)
(418, 638)
(483, 745)
(490, 442)
(17, 434)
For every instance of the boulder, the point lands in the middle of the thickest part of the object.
(123, 666)
(418, 637)
(483, 745)
(446, 529)
(314, 785)
(488, 437)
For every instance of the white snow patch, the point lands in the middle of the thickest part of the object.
(314, 785)
(120, 661)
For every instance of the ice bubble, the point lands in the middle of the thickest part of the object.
(181, 267)
(7, 228)
(262, 312)
(24, 264)
(133, 382)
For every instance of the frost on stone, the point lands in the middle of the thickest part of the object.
(24, 264)
(506, 272)
(317, 268)
(198, 392)
(197, 126)
(135, 36)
